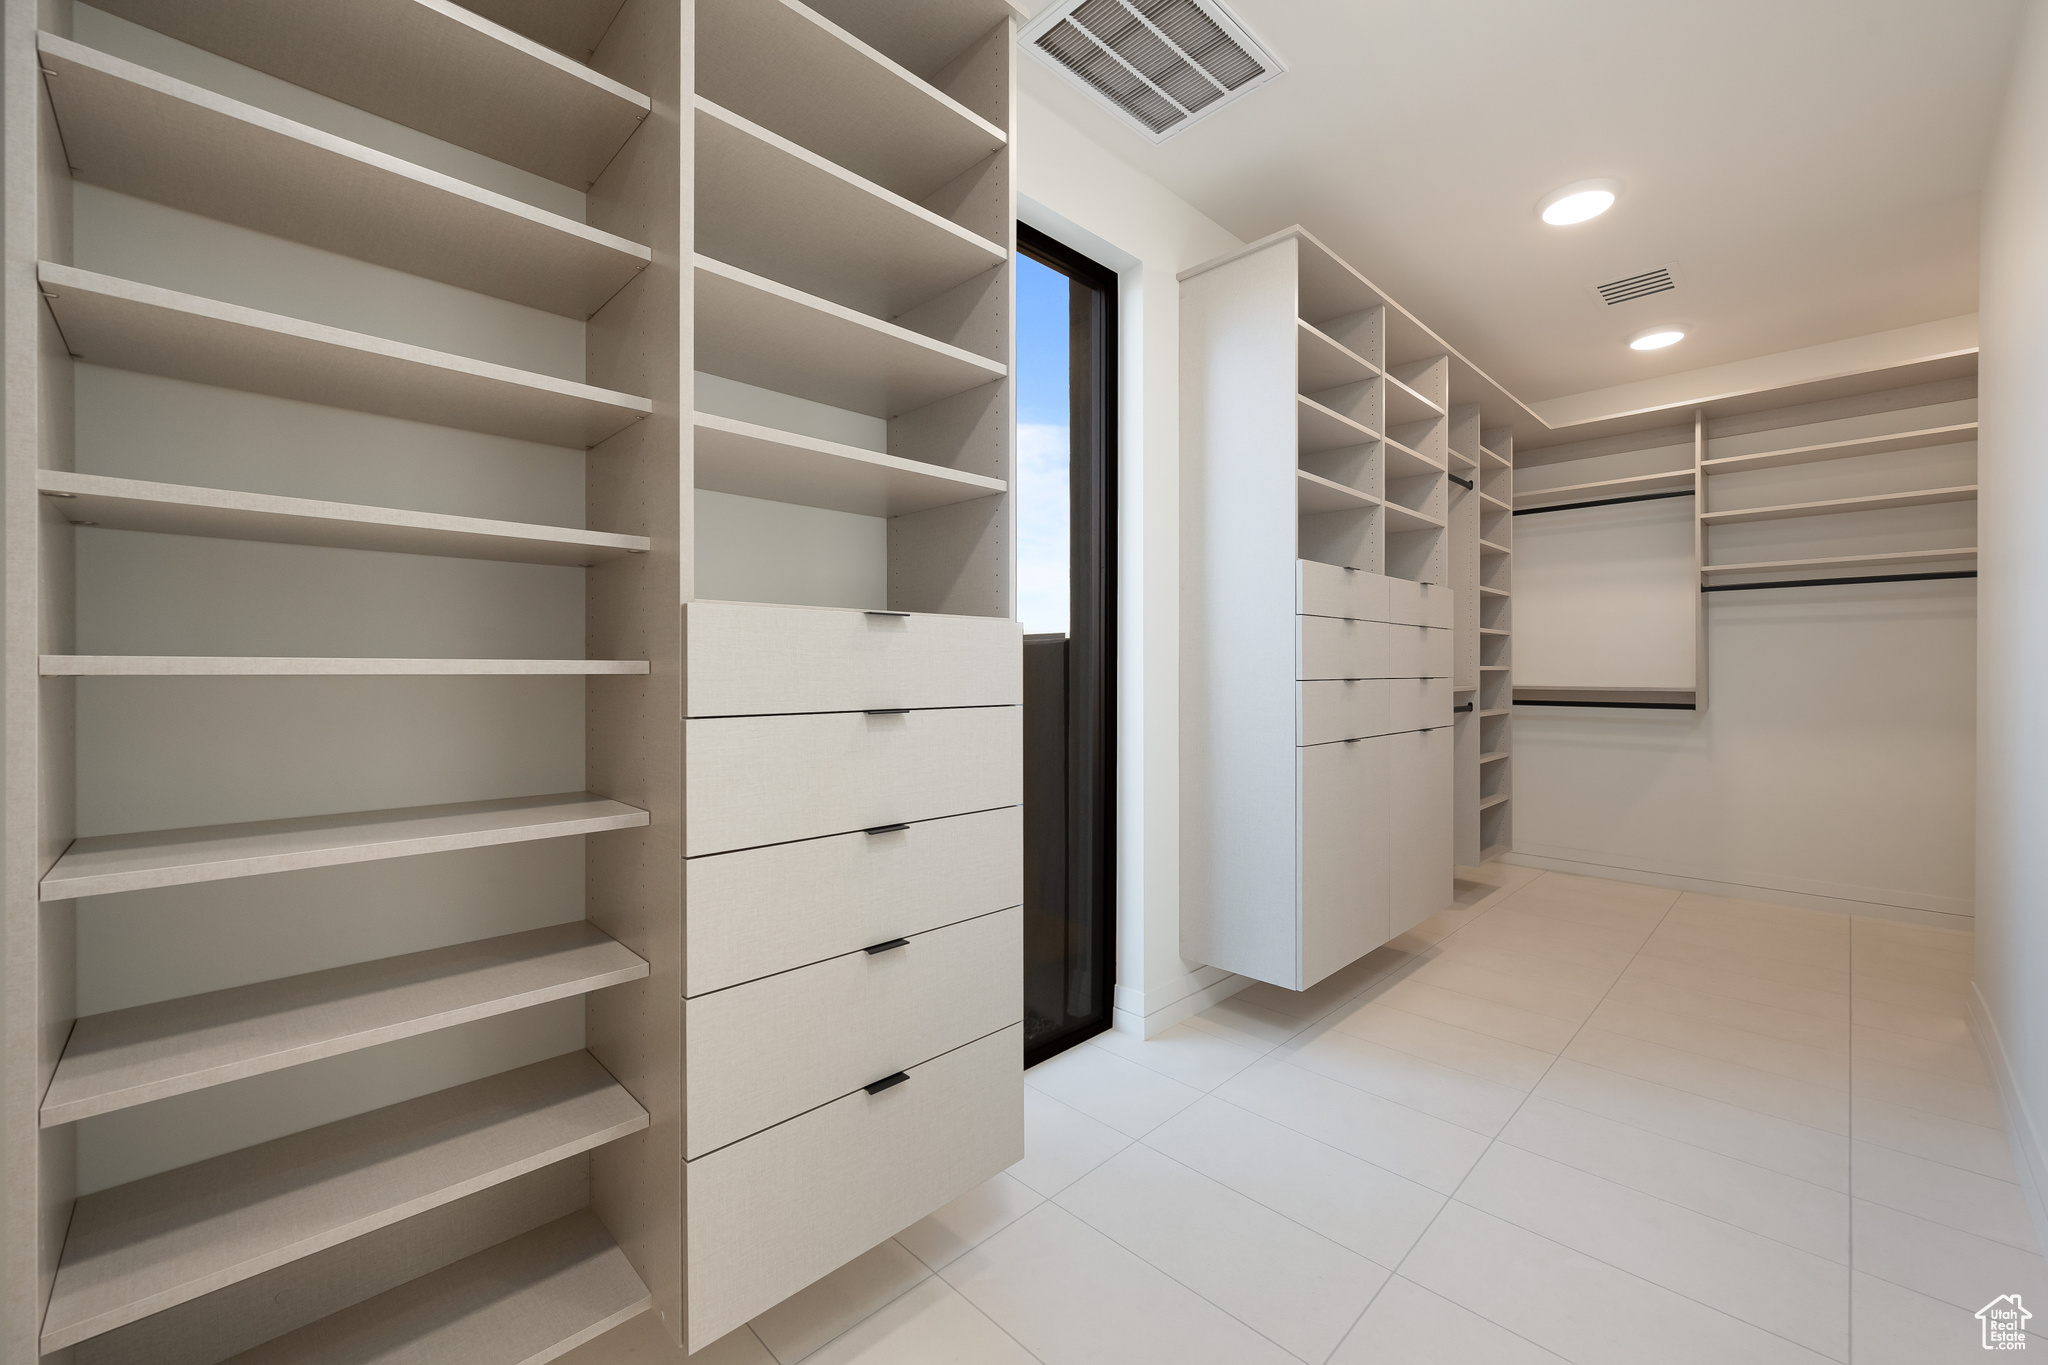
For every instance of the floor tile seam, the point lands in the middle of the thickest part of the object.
(1547, 967)
(1388, 1099)
(1734, 1028)
(1520, 1336)
(1968, 1045)
(1086, 1115)
(1432, 1061)
(977, 1308)
(1489, 1000)
(929, 1273)
(1036, 1200)
(1566, 921)
(1932, 1160)
(1479, 1032)
(1179, 1080)
(1383, 1169)
(1471, 966)
(1862, 1091)
(1910, 1289)
(1739, 1028)
(1830, 939)
(1212, 1029)
(1943, 1222)
(1845, 1091)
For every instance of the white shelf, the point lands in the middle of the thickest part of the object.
(533, 1298)
(1485, 591)
(761, 462)
(1321, 362)
(103, 864)
(756, 331)
(225, 514)
(1490, 630)
(1901, 558)
(1401, 518)
(1842, 450)
(1497, 711)
(1317, 428)
(428, 64)
(129, 129)
(1489, 802)
(788, 68)
(1673, 481)
(1406, 405)
(133, 1056)
(1314, 493)
(1500, 460)
(766, 205)
(293, 666)
(1464, 461)
(1487, 547)
(130, 326)
(1875, 502)
(1493, 757)
(1494, 668)
(140, 1248)
(1404, 463)
(571, 27)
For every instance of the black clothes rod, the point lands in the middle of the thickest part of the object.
(1465, 484)
(1460, 710)
(1603, 502)
(1830, 582)
(1618, 705)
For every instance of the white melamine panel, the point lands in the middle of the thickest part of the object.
(752, 659)
(1438, 605)
(1344, 805)
(771, 1049)
(769, 1215)
(1419, 854)
(755, 780)
(766, 910)
(1342, 709)
(1331, 647)
(1607, 597)
(1327, 590)
(1417, 703)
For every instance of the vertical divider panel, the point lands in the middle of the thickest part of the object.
(1464, 580)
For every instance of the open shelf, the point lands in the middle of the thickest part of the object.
(1486, 497)
(1494, 668)
(1494, 757)
(1874, 502)
(1314, 493)
(1317, 428)
(427, 64)
(130, 326)
(103, 864)
(1321, 362)
(1401, 518)
(762, 462)
(767, 205)
(290, 666)
(224, 514)
(751, 329)
(1898, 558)
(1485, 591)
(1406, 405)
(1493, 458)
(1489, 802)
(1487, 547)
(1463, 461)
(1403, 463)
(1673, 481)
(1489, 630)
(786, 67)
(140, 1248)
(532, 1298)
(133, 1056)
(1842, 450)
(129, 129)
(1497, 711)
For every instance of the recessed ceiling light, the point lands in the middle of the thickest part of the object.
(1579, 201)
(1656, 339)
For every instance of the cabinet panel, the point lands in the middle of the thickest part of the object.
(1327, 647)
(1345, 709)
(768, 1050)
(1420, 856)
(1327, 590)
(749, 659)
(754, 780)
(1344, 867)
(1417, 703)
(766, 910)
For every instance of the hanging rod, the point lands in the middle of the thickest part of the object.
(1618, 705)
(1465, 484)
(1829, 582)
(1602, 502)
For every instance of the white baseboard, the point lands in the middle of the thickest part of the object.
(2029, 1156)
(1941, 912)
(1147, 1014)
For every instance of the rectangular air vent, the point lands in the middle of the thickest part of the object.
(1639, 285)
(1160, 65)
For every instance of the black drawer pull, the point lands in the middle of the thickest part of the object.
(877, 1087)
(885, 829)
(888, 711)
(876, 611)
(874, 948)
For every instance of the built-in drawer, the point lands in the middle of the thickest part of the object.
(757, 1054)
(1342, 709)
(766, 910)
(1418, 604)
(1327, 590)
(1417, 704)
(1344, 798)
(754, 780)
(748, 659)
(1328, 647)
(774, 1213)
(1418, 652)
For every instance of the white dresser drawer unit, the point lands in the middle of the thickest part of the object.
(766, 910)
(1326, 590)
(748, 659)
(773, 1213)
(1417, 704)
(1342, 826)
(1329, 647)
(766, 1051)
(1330, 711)
(754, 780)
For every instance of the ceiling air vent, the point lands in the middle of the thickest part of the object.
(1159, 64)
(1640, 285)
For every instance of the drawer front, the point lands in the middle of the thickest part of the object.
(1344, 798)
(1327, 647)
(766, 910)
(746, 659)
(1329, 711)
(1417, 704)
(757, 1054)
(1418, 652)
(755, 780)
(1326, 590)
(1420, 855)
(776, 1212)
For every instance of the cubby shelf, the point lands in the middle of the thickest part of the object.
(1318, 428)
(1406, 405)
(1489, 802)
(1487, 497)
(149, 1052)
(1487, 547)
(1666, 482)
(1922, 439)
(532, 1298)
(1899, 558)
(291, 666)
(1493, 668)
(1485, 591)
(767, 205)
(762, 462)
(1493, 757)
(130, 129)
(103, 864)
(786, 67)
(1404, 462)
(1463, 461)
(140, 1248)
(1488, 630)
(1321, 362)
(130, 326)
(756, 331)
(1874, 502)
(1314, 493)
(1496, 459)
(1497, 711)
(225, 514)
(1401, 518)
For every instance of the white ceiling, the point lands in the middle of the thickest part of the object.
(1812, 166)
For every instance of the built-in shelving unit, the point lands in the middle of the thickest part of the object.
(1869, 502)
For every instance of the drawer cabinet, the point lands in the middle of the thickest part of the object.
(765, 910)
(1327, 647)
(755, 780)
(768, 1215)
(1326, 590)
(1420, 828)
(1327, 711)
(1417, 703)
(762, 1052)
(747, 659)
(1343, 829)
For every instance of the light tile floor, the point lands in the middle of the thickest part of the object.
(1567, 1120)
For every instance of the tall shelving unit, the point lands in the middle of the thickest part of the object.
(814, 201)
(1486, 809)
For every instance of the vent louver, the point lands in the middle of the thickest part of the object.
(1160, 64)
(1640, 285)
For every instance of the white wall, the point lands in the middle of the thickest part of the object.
(1071, 188)
(2012, 785)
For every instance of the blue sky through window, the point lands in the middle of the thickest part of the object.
(1043, 449)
